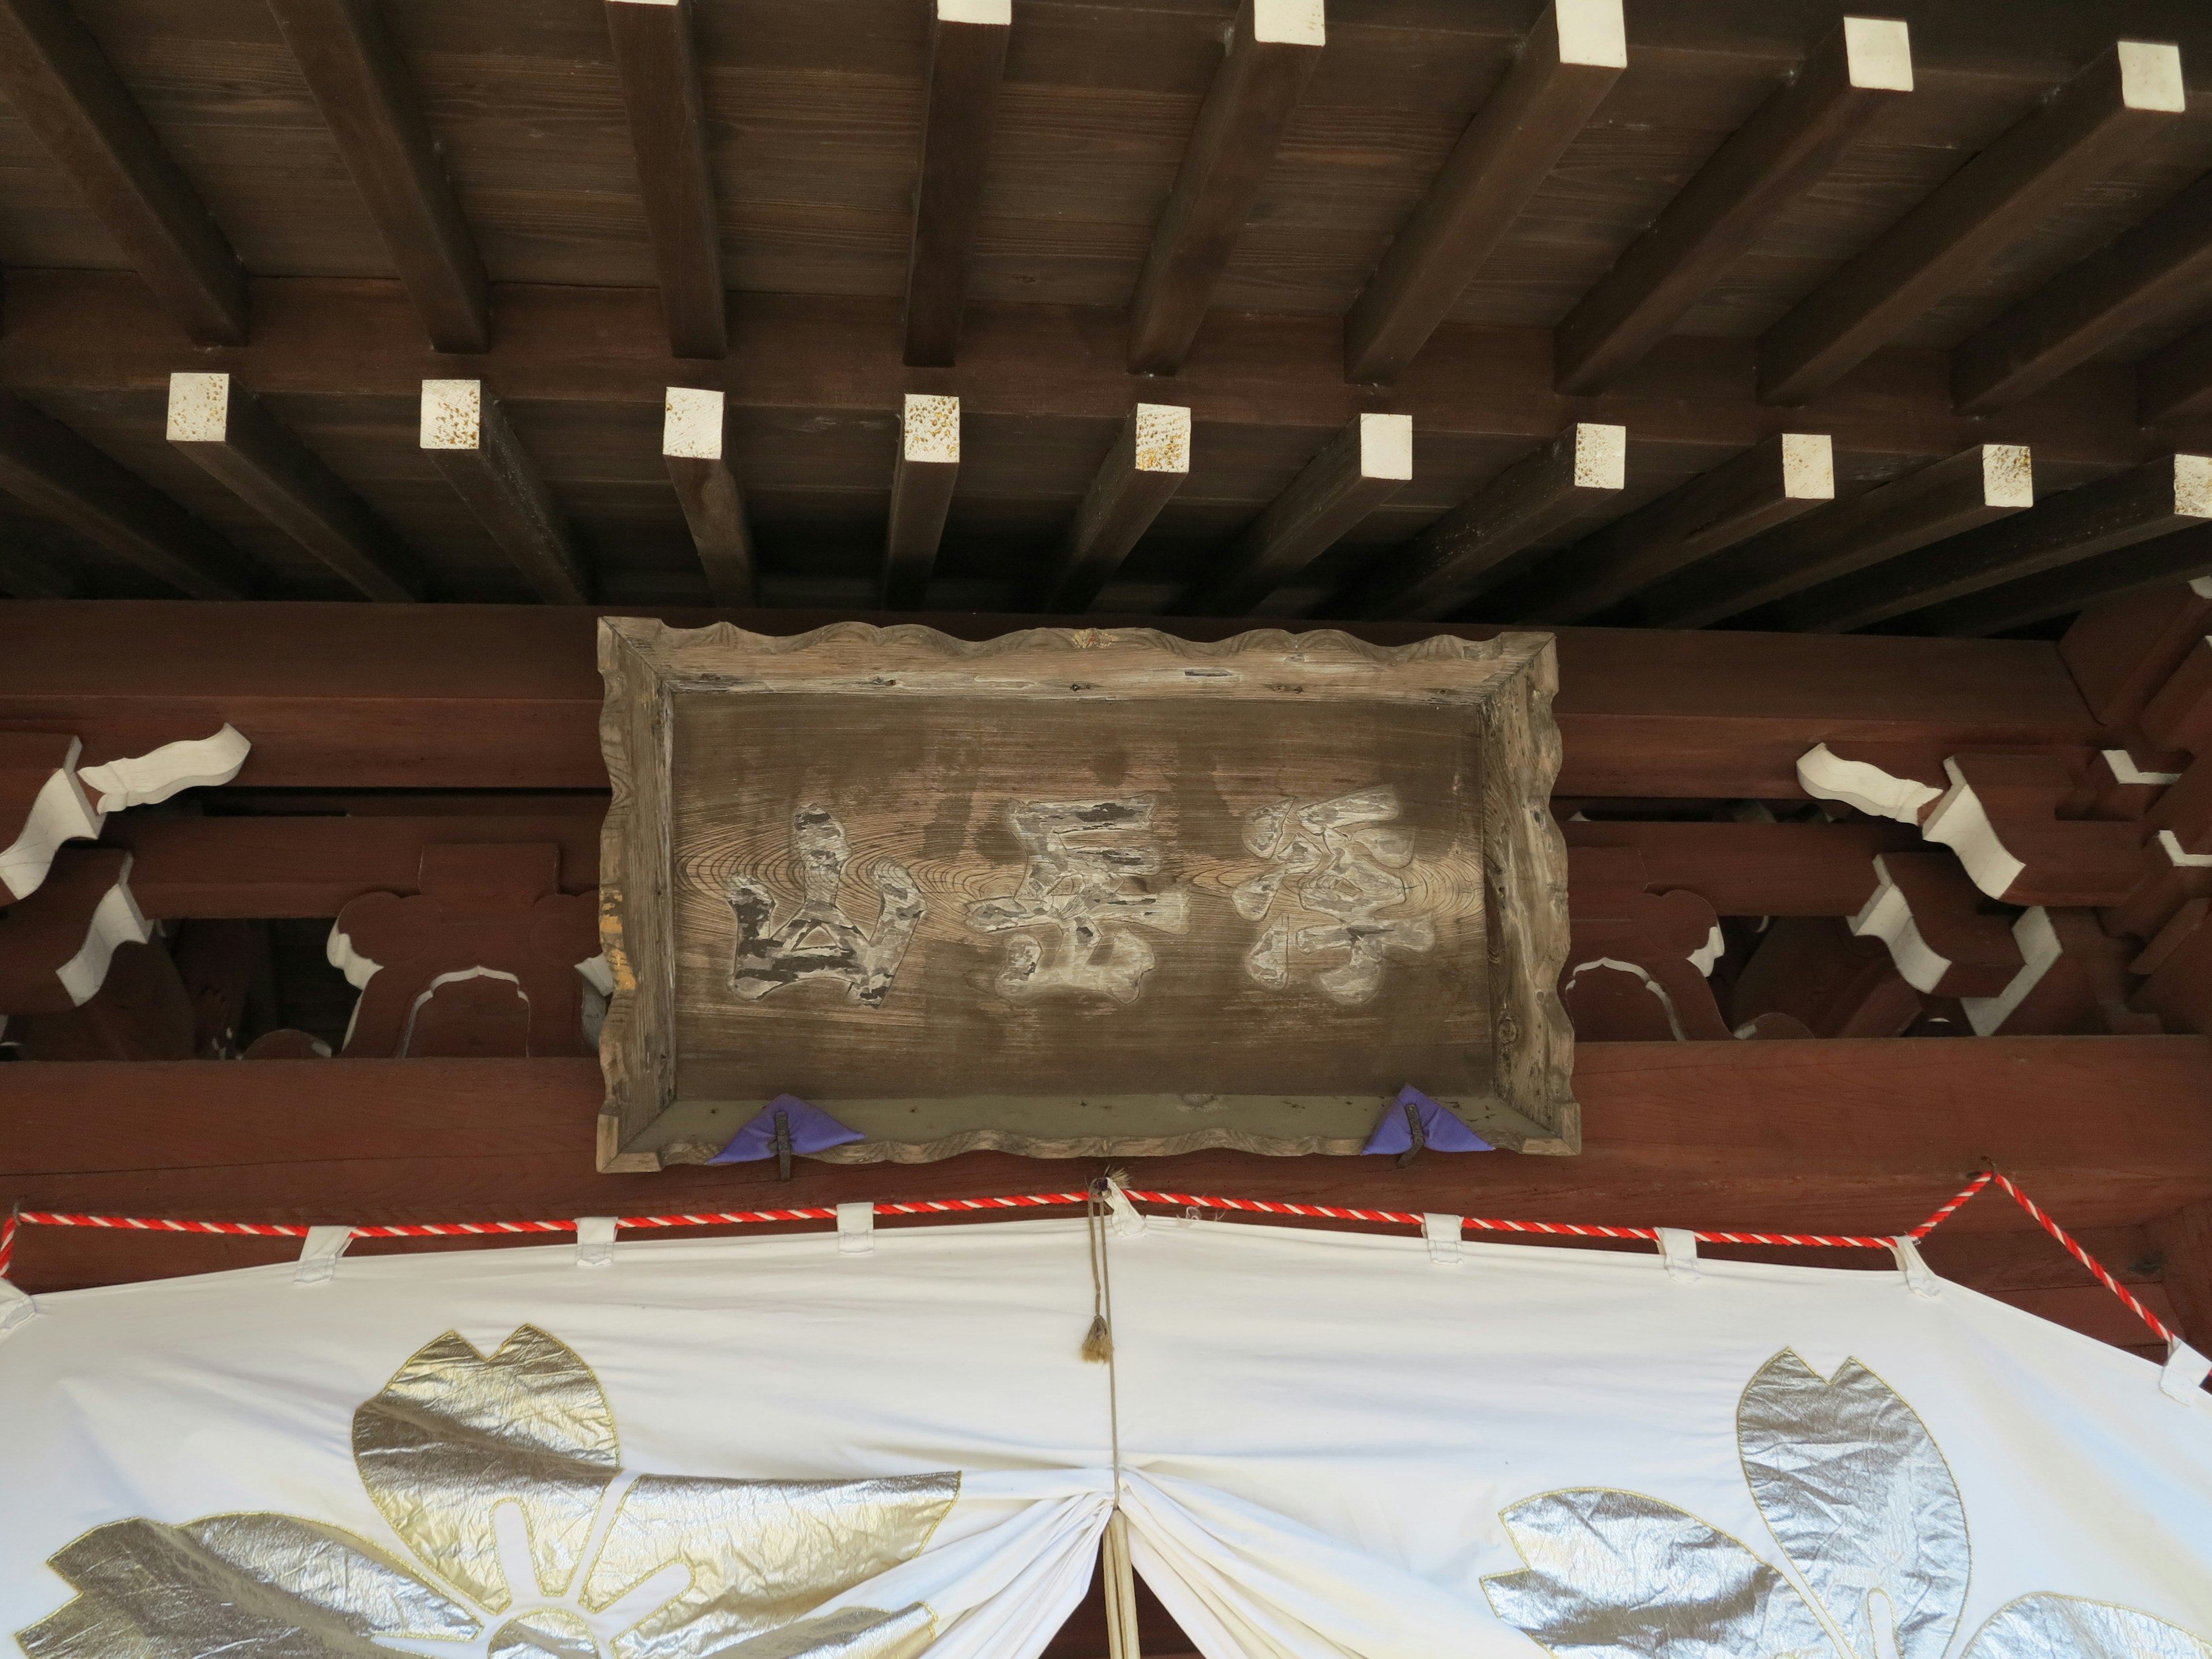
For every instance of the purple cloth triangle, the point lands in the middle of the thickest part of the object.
(812, 1130)
(1445, 1133)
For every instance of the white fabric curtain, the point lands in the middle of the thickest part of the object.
(1330, 1445)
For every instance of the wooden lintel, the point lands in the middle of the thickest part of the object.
(1367, 464)
(1273, 49)
(2118, 102)
(657, 60)
(1148, 463)
(922, 477)
(967, 41)
(1973, 488)
(224, 428)
(59, 81)
(361, 83)
(2154, 500)
(1768, 485)
(694, 447)
(1572, 55)
(1791, 142)
(1475, 545)
(468, 439)
(2186, 555)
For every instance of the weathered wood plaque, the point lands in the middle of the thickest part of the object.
(1078, 891)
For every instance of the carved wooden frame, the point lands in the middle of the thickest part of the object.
(1506, 684)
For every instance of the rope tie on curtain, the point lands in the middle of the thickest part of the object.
(1117, 1573)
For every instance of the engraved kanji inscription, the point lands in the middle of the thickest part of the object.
(817, 939)
(1073, 918)
(1332, 857)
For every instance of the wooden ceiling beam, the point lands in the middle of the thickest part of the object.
(2127, 98)
(31, 568)
(2156, 500)
(2185, 555)
(1148, 463)
(1474, 546)
(967, 41)
(2176, 384)
(1568, 62)
(922, 477)
(1772, 482)
(225, 431)
(1273, 49)
(59, 81)
(657, 59)
(694, 447)
(1972, 488)
(53, 470)
(1367, 464)
(1790, 142)
(361, 83)
(469, 440)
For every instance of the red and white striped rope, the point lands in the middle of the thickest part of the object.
(2075, 1249)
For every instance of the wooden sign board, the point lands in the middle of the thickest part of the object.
(1078, 891)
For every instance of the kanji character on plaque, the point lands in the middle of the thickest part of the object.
(817, 939)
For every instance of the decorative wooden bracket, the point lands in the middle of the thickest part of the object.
(1811, 971)
(79, 977)
(1925, 909)
(44, 799)
(1637, 964)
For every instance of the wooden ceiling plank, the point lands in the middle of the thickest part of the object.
(60, 82)
(1972, 488)
(1769, 483)
(1274, 48)
(2176, 384)
(2185, 555)
(2127, 98)
(2154, 500)
(1148, 463)
(361, 83)
(657, 57)
(923, 478)
(2159, 267)
(469, 440)
(1568, 62)
(1362, 467)
(1473, 547)
(53, 470)
(224, 429)
(29, 570)
(967, 41)
(694, 447)
(1790, 142)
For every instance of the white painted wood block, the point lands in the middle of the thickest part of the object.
(1386, 446)
(1289, 22)
(199, 408)
(1601, 456)
(1826, 775)
(929, 429)
(2150, 76)
(1592, 32)
(1163, 438)
(453, 415)
(1878, 53)
(692, 427)
(1808, 466)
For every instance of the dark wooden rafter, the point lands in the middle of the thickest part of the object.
(359, 81)
(1367, 464)
(1570, 60)
(468, 439)
(31, 568)
(1273, 49)
(1148, 463)
(1769, 483)
(60, 82)
(53, 470)
(225, 430)
(694, 447)
(2127, 97)
(967, 41)
(1489, 537)
(2154, 500)
(922, 477)
(1790, 142)
(657, 59)
(2176, 384)
(1972, 488)
(2185, 555)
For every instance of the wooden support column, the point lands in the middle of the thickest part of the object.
(928, 466)
(1147, 464)
(1370, 461)
(361, 83)
(53, 470)
(967, 62)
(470, 441)
(1473, 547)
(695, 446)
(1768, 485)
(1568, 62)
(657, 59)
(2119, 103)
(1274, 47)
(59, 81)
(1974, 487)
(1788, 145)
(224, 429)
(2156, 500)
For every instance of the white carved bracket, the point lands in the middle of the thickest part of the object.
(1826, 775)
(143, 780)
(2039, 950)
(62, 810)
(116, 921)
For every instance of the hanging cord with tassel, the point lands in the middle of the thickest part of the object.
(1118, 1577)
